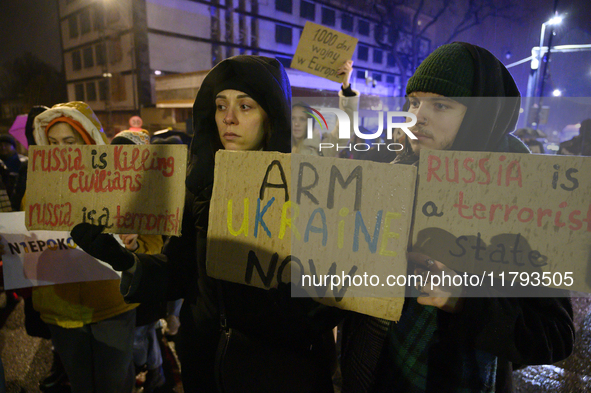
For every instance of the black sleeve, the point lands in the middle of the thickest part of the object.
(173, 274)
(525, 331)
(348, 92)
(20, 186)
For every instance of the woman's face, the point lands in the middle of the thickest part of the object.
(64, 134)
(299, 123)
(240, 121)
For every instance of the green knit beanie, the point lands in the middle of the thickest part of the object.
(448, 71)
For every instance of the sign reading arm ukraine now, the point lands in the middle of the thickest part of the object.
(334, 228)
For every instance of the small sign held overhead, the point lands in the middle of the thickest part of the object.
(321, 51)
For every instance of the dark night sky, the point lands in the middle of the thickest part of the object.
(30, 26)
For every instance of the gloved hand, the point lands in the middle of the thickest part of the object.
(102, 246)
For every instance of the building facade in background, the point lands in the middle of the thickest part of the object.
(124, 57)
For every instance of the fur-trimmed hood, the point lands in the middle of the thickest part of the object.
(75, 110)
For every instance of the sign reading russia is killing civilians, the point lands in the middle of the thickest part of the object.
(321, 51)
(128, 189)
(511, 216)
(331, 226)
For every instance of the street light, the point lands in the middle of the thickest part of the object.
(556, 93)
(537, 67)
(551, 22)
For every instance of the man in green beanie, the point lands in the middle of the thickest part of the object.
(446, 341)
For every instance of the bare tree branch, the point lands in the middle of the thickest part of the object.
(403, 41)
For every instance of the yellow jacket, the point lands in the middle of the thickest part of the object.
(74, 305)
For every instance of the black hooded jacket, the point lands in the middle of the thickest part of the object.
(512, 330)
(180, 272)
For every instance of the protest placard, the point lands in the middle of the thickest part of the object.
(336, 228)
(128, 189)
(45, 257)
(507, 216)
(321, 51)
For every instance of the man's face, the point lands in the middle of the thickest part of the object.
(6, 150)
(438, 121)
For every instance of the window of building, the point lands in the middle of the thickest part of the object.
(307, 10)
(87, 55)
(76, 60)
(103, 89)
(360, 74)
(402, 18)
(285, 61)
(283, 34)
(362, 52)
(85, 26)
(118, 88)
(99, 52)
(392, 35)
(363, 27)
(390, 60)
(347, 22)
(328, 16)
(377, 56)
(79, 92)
(424, 47)
(97, 18)
(91, 91)
(378, 33)
(377, 77)
(73, 26)
(115, 51)
(284, 6)
(113, 14)
(390, 79)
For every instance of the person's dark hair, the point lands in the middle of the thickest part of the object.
(119, 140)
(585, 130)
(36, 110)
(8, 139)
(303, 105)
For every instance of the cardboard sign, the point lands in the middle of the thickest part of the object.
(321, 51)
(336, 228)
(128, 189)
(501, 215)
(45, 257)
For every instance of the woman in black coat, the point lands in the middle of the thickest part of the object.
(244, 103)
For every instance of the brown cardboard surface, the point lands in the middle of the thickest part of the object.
(312, 216)
(129, 189)
(321, 51)
(498, 213)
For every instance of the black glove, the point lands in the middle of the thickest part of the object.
(102, 246)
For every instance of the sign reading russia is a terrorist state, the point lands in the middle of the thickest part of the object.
(312, 221)
(128, 189)
(517, 218)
